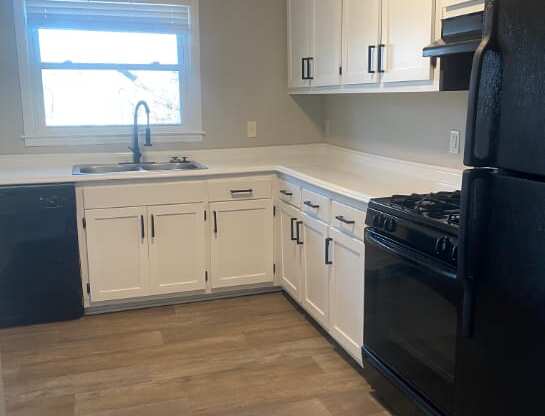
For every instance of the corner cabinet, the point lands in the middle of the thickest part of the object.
(360, 45)
(242, 242)
(291, 250)
(322, 254)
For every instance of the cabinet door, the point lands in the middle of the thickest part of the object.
(117, 249)
(177, 248)
(346, 292)
(326, 63)
(361, 34)
(316, 271)
(299, 41)
(292, 253)
(242, 243)
(407, 27)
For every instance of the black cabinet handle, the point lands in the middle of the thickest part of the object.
(286, 193)
(293, 237)
(370, 52)
(142, 231)
(153, 226)
(298, 228)
(215, 222)
(306, 69)
(311, 205)
(381, 58)
(241, 191)
(344, 220)
(309, 69)
(328, 242)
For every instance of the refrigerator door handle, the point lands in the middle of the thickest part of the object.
(478, 132)
(470, 241)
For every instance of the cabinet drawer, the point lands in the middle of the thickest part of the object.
(289, 193)
(316, 205)
(348, 219)
(134, 195)
(240, 189)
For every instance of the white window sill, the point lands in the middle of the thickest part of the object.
(37, 141)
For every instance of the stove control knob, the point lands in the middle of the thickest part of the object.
(390, 224)
(454, 253)
(379, 221)
(442, 245)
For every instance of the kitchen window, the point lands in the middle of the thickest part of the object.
(84, 64)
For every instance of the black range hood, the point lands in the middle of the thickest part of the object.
(460, 38)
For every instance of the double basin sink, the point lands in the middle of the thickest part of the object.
(137, 167)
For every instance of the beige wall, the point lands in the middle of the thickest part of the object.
(244, 77)
(406, 126)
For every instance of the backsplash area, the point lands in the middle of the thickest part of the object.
(410, 126)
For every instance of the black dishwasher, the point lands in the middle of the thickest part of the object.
(40, 277)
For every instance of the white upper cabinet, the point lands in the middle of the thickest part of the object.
(406, 30)
(372, 43)
(117, 250)
(360, 39)
(242, 242)
(300, 32)
(326, 63)
(177, 248)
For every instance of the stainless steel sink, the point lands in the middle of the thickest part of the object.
(173, 166)
(131, 167)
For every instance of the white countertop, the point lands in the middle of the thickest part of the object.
(349, 173)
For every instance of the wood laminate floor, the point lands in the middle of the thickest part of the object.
(250, 356)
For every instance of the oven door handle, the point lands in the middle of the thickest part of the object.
(408, 254)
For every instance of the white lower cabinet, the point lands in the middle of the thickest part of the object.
(177, 249)
(117, 250)
(242, 243)
(143, 251)
(291, 278)
(346, 292)
(316, 269)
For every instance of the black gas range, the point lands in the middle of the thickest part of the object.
(412, 295)
(427, 223)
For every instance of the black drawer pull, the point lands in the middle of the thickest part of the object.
(241, 191)
(286, 193)
(153, 226)
(344, 220)
(298, 224)
(311, 205)
(215, 222)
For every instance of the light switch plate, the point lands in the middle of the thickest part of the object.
(252, 129)
(454, 147)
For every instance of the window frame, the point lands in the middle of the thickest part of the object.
(36, 133)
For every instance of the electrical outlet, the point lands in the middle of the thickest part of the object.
(454, 142)
(252, 129)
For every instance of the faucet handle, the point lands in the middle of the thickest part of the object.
(176, 159)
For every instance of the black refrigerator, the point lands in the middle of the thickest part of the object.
(501, 352)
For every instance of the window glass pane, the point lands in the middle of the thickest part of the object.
(82, 46)
(107, 98)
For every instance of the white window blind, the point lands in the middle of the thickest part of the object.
(98, 14)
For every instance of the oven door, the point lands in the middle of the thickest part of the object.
(411, 320)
